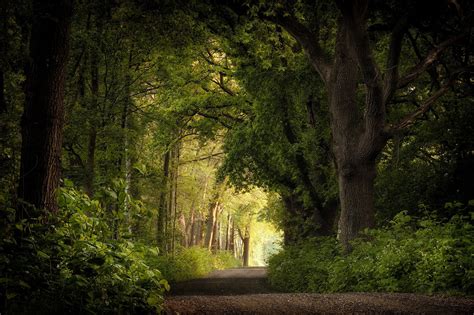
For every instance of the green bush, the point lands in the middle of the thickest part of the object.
(303, 267)
(68, 263)
(194, 262)
(423, 255)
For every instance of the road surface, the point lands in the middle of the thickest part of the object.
(245, 291)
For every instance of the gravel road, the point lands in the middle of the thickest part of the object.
(245, 291)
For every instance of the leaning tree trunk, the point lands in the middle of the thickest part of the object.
(43, 116)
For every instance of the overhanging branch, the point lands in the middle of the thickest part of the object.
(308, 40)
(432, 57)
(410, 119)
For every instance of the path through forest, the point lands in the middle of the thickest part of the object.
(245, 290)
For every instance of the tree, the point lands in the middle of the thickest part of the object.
(350, 70)
(43, 117)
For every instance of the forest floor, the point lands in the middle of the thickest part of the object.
(245, 291)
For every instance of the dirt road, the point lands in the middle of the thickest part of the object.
(245, 291)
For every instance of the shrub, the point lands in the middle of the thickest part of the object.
(424, 255)
(67, 263)
(194, 262)
(303, 267)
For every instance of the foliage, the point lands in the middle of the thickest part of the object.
(431, 168)
(412, 255)
(194, 262)
(67, 263)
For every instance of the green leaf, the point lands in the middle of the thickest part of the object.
(165, 283)
(42, 254)
(11, 296)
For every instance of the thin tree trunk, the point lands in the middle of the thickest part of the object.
(198, 237)
(90, 163)
(162, 209)
(217, 236)
(245, 237)
(211, 222)
(184, 229)
(169, 223)
(246, 253)
(3, 52)
(232, 238)
(43, 116)
(227, 232)
(126, 143)
(175, 196)
(191, 227)
(3, 101)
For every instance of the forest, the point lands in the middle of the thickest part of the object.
(148, 142)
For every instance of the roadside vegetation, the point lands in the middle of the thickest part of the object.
(422, 255)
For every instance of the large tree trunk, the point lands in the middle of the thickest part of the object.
(43, 116)
(357, 138)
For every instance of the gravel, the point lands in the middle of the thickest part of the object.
(245, 291)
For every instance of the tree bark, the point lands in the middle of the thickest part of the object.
(211, 222)
(191, 227)
(43, 116)
(162, 208)
(357, 138)
(175, 196)
(245, 237)
(356, 192)
(227, 232)
(246, 254)
(3, 101)
(198, 236)
(90, 163)
(232, 238)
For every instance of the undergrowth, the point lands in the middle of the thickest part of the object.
(78, 261)
(194, 262)
(424, 255)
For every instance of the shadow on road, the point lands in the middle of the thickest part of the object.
(237, 281)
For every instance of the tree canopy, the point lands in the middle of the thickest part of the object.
(137, 136)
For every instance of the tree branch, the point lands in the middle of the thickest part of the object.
(410, 119)
(393, 59)
(202, 158)
(308, 41)
(354, 13)
(432, 57)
